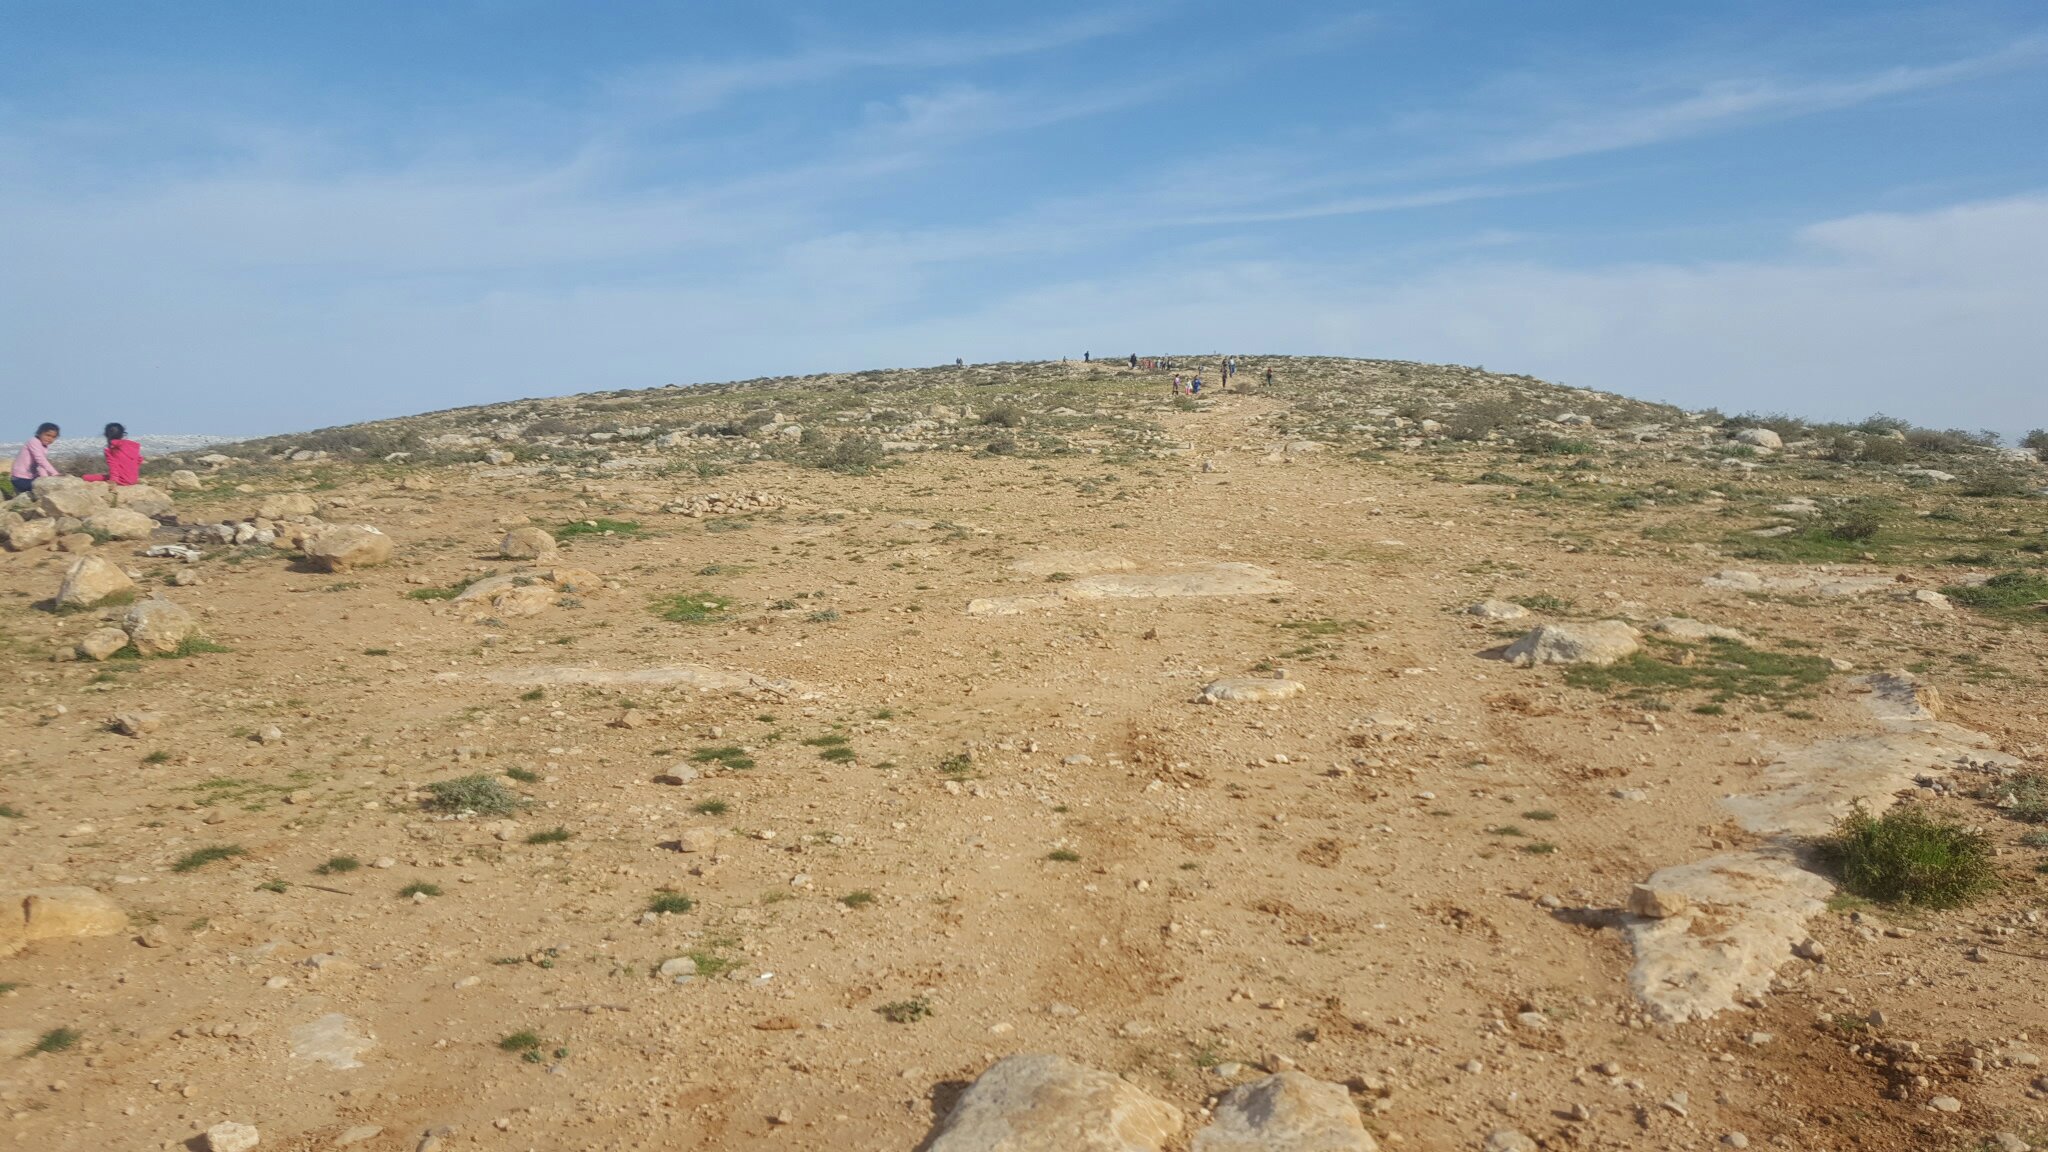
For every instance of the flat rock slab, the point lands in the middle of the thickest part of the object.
(1732, 919)
(1497, 610)
(1288, 1112)
(1251, 690)
(1227, 579)
(1039, 1102)
(1745, 912)
(333, 1040)
(1071, 563)
(1688, 631)
(701, 677)
(1805, 791)
(1818, 583)
(1597, 642)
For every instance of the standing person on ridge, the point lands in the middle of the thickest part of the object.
(32, 463)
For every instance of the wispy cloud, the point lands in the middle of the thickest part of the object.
(693, 87)
(1719, 104)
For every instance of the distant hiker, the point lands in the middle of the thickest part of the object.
(1195, 386)
(1176, 383)
(1269, 375)
(1084, 358)
(33, 461)
(124, 458)
(1134, 359)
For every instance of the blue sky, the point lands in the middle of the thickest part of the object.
(247, 218)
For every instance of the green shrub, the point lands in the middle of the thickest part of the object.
(2016, 593)
(200, 857)
(1909, 857)
(692, 607)
(479, 793)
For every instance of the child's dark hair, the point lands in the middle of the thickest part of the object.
(46, 427)
(116, 432)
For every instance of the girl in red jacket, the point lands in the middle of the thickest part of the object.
(124, 458)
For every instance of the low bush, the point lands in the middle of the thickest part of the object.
(1908, 857)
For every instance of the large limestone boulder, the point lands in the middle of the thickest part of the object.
(527, 544)
(60, 496)
(28, 915)
(91, 580)
(142, 498)
(31, 534)
(184, 480)
(1760, 438)
(120, 524)
(576, 581)
(347, 547)
(1289, 1112)
(285, 505)
(1039, 1102)
(100, 643)
(159, 627)
(1597, 642)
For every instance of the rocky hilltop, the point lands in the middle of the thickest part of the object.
(1025, 756)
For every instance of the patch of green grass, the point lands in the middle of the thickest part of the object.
(419, 888)
(200, 857)
(447, 593)
(829, 740)
(1543, 602)
(2016, 595)
(555, 835)
(2028, 793)
(1063, 856)
(1325, 627)
(959, 766)
(1909, 857)
(712, 963)
(858, 898)
(1710, 710)
(692, 607)
(670, 903)
(10, 812)
(477, 793)
(597, 527)
(1539, 848)
(338, 864)
(157, 757)
(1506, 830)
(523, 775)
(906, 1011)
(729, 755)
(376, 651)
(58, 1040)
(272, 886)
(711, 807)
(189, 646)
(521, 1041)
(535, 694)
(838, 754)
(1723, 667)
(1541, 815)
